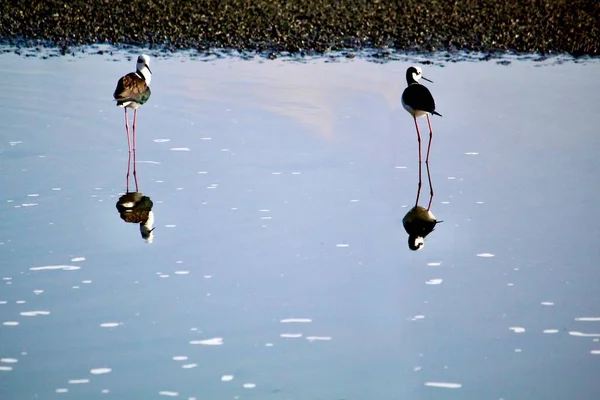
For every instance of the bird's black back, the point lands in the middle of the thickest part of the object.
(418, 97)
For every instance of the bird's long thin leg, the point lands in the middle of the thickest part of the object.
(430, 186)
(134, 161)
(128, 148)
(418, 137)
(430, 137)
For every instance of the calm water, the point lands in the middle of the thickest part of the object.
(279, 267)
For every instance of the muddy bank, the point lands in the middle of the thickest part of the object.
(316, 26)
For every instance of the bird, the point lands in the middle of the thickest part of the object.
(418, 223)
(418, 101)
(135, 207)
(132, 91)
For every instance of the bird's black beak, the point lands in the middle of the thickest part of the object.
(146, 65)
(426, 79)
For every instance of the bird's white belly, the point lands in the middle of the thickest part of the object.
(413, 112)
(129, 104)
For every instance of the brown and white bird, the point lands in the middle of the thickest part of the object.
(418, 101)
(133, 90)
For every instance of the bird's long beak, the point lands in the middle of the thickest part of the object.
(146, 65)
(426, 79)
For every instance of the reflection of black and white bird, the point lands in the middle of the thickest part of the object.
(133, 90)
(418, 101)
(418, 223)
(136, 208)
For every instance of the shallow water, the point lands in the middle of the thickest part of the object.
(279, 267)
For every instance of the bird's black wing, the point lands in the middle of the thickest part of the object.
(418, 97)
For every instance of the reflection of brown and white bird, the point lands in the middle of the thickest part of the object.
(133, 90)
(418, 101)
(136, 208)
(418, 223)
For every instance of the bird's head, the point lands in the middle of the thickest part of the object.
(414, 73)
(143, 61)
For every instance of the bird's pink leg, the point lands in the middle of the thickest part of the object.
(134, 161)
(430, 137)
(418, 137)
(128, 148)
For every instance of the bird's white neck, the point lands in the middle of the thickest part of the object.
(145, 72)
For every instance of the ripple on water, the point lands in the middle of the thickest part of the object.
(180, 358)
(180, 149)
(517, 329)
(34, 313)
(226, 378)
(445, 385)
(168, 393)
(292, 320)
(110, 324)
(249, 385)
(5, 368)
(100, 371)
(581, 334)
(485, 255)
(78, 381)
(318, 338)
(434, 281)
(55, 267)
(8, 360)
(77, 259)
(587, 319)
(209, 342)
(291, 335)
(10, 323)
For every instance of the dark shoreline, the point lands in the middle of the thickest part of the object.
(313, 27)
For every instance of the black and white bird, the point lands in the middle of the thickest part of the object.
(418, 101)
(133, 90)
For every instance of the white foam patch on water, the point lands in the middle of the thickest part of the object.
(62, 390)
(595, 352)
(29, 204)
(268, 344)
(161, 140)
(55, 267)
(417, 369)
(471, 153)
(203, 172)
(354, 201)
(517, 329)
(110, 324)
(5, 368)
(8, 360)
(581, 334)
(180, 149)
(182, 272)
(550, 331)
(518, 350)
(207, 276)
(400, 167)
(105, 391)
(445, 385)
(170, 226)
(10, 323)
(587, 319)
(77, 259)
(291, 335)
(86, 282)
(291, 320)
(3, 302)
(180, 358)
(34, 313)
(296, 173)
(226, 378)
(276, 173)
(163, 276)
(342, 245)
(209, 342)
(56, 189)
(100, 371)
(78, 381)
(434, 264)
(33, 195)
(547, 303)
(318, 338)
(188, 366)
(168, 393)
(485, 255)
(20, 301)
(249, 385)
(434, 281)
(38, 291)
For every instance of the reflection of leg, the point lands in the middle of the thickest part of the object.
(418, 137)
(134, 161)
(128, 165)
(430, 137)
(418, 186)
(430, 186)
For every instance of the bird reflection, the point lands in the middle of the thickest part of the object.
(135, 207)
(420, 221)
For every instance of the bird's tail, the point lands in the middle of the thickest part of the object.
(436, 113)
